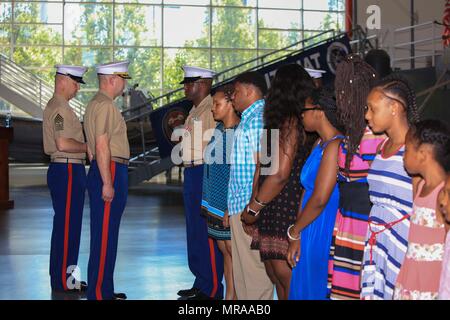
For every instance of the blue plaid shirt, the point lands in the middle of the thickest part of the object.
(247, 142)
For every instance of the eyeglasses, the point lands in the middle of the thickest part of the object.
(311, 109)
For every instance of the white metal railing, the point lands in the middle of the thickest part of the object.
(30, 86)
(224, 75)
(429, 37)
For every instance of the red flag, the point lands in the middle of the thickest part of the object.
(446, 22)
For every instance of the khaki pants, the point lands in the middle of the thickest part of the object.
(250, 278)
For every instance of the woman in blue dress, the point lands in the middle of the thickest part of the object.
(310, 236)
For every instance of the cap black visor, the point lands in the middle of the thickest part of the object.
(190, 79)
(75, 78)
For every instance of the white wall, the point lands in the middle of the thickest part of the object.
(395, 14)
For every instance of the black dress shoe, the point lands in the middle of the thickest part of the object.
(188, 292)
(200, 296)
(83, 288)
(119, 296)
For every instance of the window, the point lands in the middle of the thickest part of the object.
(158, 36)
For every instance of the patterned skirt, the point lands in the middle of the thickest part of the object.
(216, 230)
(270, 236)
(347, 244)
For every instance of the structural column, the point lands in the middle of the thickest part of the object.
(6, 136)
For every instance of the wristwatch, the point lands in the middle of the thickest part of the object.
(251, 212)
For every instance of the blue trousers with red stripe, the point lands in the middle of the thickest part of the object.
(204, 257)
(105, 222)
(67, 184)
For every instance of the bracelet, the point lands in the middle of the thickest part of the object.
(261, 204)
(252, 212)
(291, 237)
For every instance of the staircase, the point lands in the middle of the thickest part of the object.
(26, 91)
(151, 154)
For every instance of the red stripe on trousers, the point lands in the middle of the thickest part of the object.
(105, 230)
(66, 225)
(213, 266)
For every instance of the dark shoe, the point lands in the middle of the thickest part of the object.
(83, 288)
(200, 296)
(119, 296)
(188, 292)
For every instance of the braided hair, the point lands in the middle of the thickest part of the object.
(227, 90)
(437, 134)
(354, 79)
(399, 87)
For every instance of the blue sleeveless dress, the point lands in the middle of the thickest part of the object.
(309, 277)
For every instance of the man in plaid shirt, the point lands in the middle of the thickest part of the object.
(250, 278)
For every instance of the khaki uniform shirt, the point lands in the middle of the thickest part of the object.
(196, 137)
(60, 121)
(101, 117)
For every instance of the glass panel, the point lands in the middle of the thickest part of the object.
(5, 12)
(140, 1)
(314, 20)
(87, 56)
(273, 56)
(280, 19)
(285, 4)
(325, 5)
(144, 68)
(38, 57)
(38, 34)
(88, 24)
(184, 2)
(273, 39)
(233, 28)
(5, 51)
(89, 1)
(310, 34)
(5, 35)
(137, 25)
(237, 3)
(38, 12)
(186, 26)
(225, 59)
(174, 59)
(340, 21)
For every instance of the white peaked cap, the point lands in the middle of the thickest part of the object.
(315, 74)
(119, 68)
(75, 72)
(195, 73)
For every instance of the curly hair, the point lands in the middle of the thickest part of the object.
(285, 100)
(437, 134)
(353, 82)
(399, 87)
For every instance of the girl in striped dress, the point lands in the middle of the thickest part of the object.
(391, 109)
(427, 154)
(354, 79)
